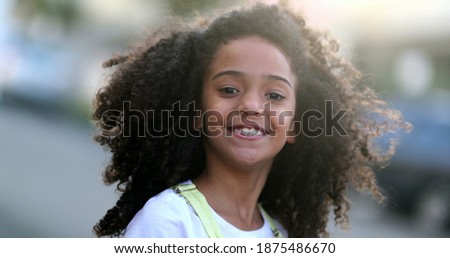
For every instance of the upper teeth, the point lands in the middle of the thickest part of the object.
(248, 131)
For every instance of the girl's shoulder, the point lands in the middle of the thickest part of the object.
(166, 214)
(166, 199)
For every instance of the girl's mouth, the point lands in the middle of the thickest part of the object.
(248, 131)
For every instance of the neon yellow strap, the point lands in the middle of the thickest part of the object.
(273, 226)
(201, 207)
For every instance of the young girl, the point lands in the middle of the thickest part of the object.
(246, 126)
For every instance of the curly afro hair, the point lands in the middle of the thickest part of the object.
(308, 179)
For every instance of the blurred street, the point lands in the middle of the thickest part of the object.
(50, 180)
(370, 219)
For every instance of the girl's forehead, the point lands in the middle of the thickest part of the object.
(246, 43)
(251, 54)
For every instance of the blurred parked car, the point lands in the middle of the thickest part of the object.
(417, 181)
(40, 76)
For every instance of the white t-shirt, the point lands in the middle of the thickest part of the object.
(169, 215)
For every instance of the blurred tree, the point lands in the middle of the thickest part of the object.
(66, 12)
(186, 8)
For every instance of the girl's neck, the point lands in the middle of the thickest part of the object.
(233, 192)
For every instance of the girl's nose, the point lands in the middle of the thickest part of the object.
(251, 104)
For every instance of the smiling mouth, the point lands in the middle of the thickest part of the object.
(248, 131)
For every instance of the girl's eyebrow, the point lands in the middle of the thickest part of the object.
(265, 76)
(276, 78)
(227, 72)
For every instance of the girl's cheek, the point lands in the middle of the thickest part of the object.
(213, 122)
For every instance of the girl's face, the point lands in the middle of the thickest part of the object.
(248, 102)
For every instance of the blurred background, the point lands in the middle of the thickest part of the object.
(51, 53)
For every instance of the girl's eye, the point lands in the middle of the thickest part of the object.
(228, 90)
(275, 96)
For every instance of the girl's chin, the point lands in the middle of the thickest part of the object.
(250, 160)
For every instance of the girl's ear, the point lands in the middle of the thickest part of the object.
(290, 139)
(198, 123)
(291, 134)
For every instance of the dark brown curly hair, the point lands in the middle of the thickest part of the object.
(307, 179)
